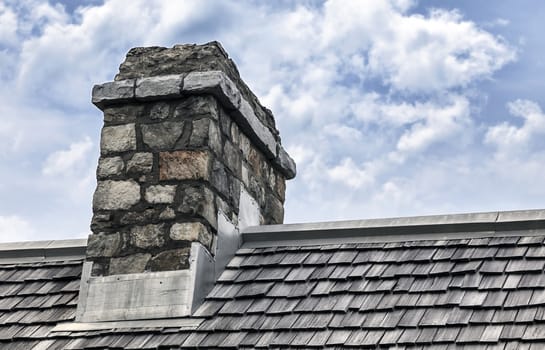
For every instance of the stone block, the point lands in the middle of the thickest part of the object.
(167, 214)
(255, 129)
(232, 158)
(160, 194)
(110, 166)
(219, 179)
(112, 195)
(123, 114)
(198, 201)
(119, 138)
(280, 187)
(101, 221)
(135, 263)
(274, 210)
(285, 164)
(101, 245)
(170, 260)
(216, 83)
(140, 163)
(139, 217)
(191, 232)
(159, 87)
(162, 136)
(113, 92)
(184, 165)
(148, 236)
(197, 107)
(199, 132)
(159, 111)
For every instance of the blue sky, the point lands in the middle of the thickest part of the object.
(390, 108)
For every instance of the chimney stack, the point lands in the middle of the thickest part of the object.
(188, 156)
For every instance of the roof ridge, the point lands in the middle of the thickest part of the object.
(36, 251)
(450, 226)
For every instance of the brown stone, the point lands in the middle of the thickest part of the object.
(170, 260)
(184, 165)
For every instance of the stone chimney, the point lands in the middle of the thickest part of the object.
(188, 157)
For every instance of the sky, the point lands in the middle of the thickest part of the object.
(390, 108)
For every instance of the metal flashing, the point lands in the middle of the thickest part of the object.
(36, 251)
(181, 323)
(452, 226)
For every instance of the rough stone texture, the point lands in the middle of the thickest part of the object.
(110, 166)
(123, 113)
(135, 263)
(286, 164)
(103, 245)
(113, 91)
(175, 154)
(167, 214)
(111, 195)
(192, 232)
(184, 165)
(166, 86)
(153, 61)
(160, 194)
(162, 136)
(199, 202)
(148, 236)
(119, 138)
(169, 260)
(140, 163)
(159, 111)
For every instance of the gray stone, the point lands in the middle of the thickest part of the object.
(113, 92)
(101, 245)
(101, 221)
(147, 236)
(214, 138)
(218, 178)
(163, 135)
(135, 263)
(170, 260)
(259, 133)
(285, 163)
(111, 195)
(197, 106)
(198, 201)
(165, 86)
(140, 163)
(235, 133)
(232, 158)
(274, 210)
(191, 232)
(167, 214)
(216, 83)
(139, 217)
(110, 166)
(123, 114)
(199, 133)
(160, 194)
(119, 138)
(159, 111)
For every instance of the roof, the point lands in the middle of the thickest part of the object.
(471, 281)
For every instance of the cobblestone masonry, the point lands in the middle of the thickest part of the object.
(182, 136)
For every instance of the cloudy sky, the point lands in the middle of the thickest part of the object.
(390, 108)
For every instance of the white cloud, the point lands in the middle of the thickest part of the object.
(510, 138)
(66, 162)
(14, 228)
(348, 173)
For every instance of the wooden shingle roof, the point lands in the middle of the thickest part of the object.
(469, 288)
